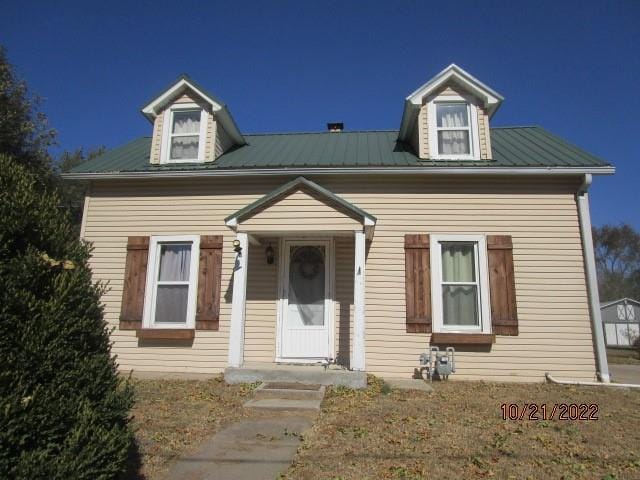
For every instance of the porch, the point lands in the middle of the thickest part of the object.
(306, 374)
(298, 288)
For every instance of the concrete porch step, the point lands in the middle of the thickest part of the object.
(289, 391)
(283, 373)
(283, 404)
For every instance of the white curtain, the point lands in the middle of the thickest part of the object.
(459, 302)
(186, 122)
(306, 286)
(451, 142)
(185, 147)
(175, 260)
(450, 116)
(171, 300)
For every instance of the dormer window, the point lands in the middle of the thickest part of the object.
(447, 118)
(453, 128)
(184, 134)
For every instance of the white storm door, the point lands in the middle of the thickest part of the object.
(306, 301)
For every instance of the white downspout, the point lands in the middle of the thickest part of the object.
(582, 200)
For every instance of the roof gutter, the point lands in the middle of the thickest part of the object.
(582, 200)
(246, 172)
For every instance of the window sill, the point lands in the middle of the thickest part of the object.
(463, 338)
(166, 333)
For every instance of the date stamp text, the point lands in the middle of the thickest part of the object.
(542, 411)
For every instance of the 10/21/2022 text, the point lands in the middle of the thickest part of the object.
(559, 411)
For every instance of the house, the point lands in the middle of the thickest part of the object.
(621, 322)
(228, 249)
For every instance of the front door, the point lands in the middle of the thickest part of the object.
(306, 303)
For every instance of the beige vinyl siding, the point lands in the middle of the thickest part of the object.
(344, 275)
(262, 295)
(156, 140)
(314, 214)
(484, 133)
(209, 146)
(223, 141)
(540, 214)
(422, 133)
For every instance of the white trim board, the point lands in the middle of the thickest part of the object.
(152, 274)
(483, 282)
(257, 172)
(167, 122)
(472, 118)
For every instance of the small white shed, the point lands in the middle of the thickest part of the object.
(621, 319)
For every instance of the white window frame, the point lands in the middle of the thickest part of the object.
(472, 113)
(165, 154)
(482, 278)
(152, 281)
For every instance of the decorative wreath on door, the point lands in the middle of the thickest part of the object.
(307, 261)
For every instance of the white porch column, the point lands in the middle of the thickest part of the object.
(236, 332)
(358, 351)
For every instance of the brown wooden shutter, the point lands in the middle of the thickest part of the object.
(209, 282)
(417, 283)
(504, 315)
(135, 279)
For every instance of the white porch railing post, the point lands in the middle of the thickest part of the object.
(358, 351)
(236, 331)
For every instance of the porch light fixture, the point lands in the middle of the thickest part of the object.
(270, 253)
(236, 246)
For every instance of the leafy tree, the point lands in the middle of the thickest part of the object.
(617, 250)
(63, 408)
(24, 131)
(72, 192)
(64, 411)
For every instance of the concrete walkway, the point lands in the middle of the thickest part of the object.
(625, 373)
(257, 449)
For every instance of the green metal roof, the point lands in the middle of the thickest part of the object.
(293, 184)
(512, 147)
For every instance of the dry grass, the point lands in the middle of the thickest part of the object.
(458, 432)
(623, 356)
(172, 416)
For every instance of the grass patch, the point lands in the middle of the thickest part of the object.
(623, 356)
(457, 431)
(171, 417)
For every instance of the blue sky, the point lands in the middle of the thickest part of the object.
(571, 67)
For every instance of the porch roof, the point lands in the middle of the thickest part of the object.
(300, 182)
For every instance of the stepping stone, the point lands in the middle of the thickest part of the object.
(408, 384)
(287, 396)
(284, 405)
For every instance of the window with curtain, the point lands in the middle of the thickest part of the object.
(460, 284)
(172, 283)
(185, 135)
(453, 129)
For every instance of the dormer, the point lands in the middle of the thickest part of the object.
(190, 125)
(447, 118)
